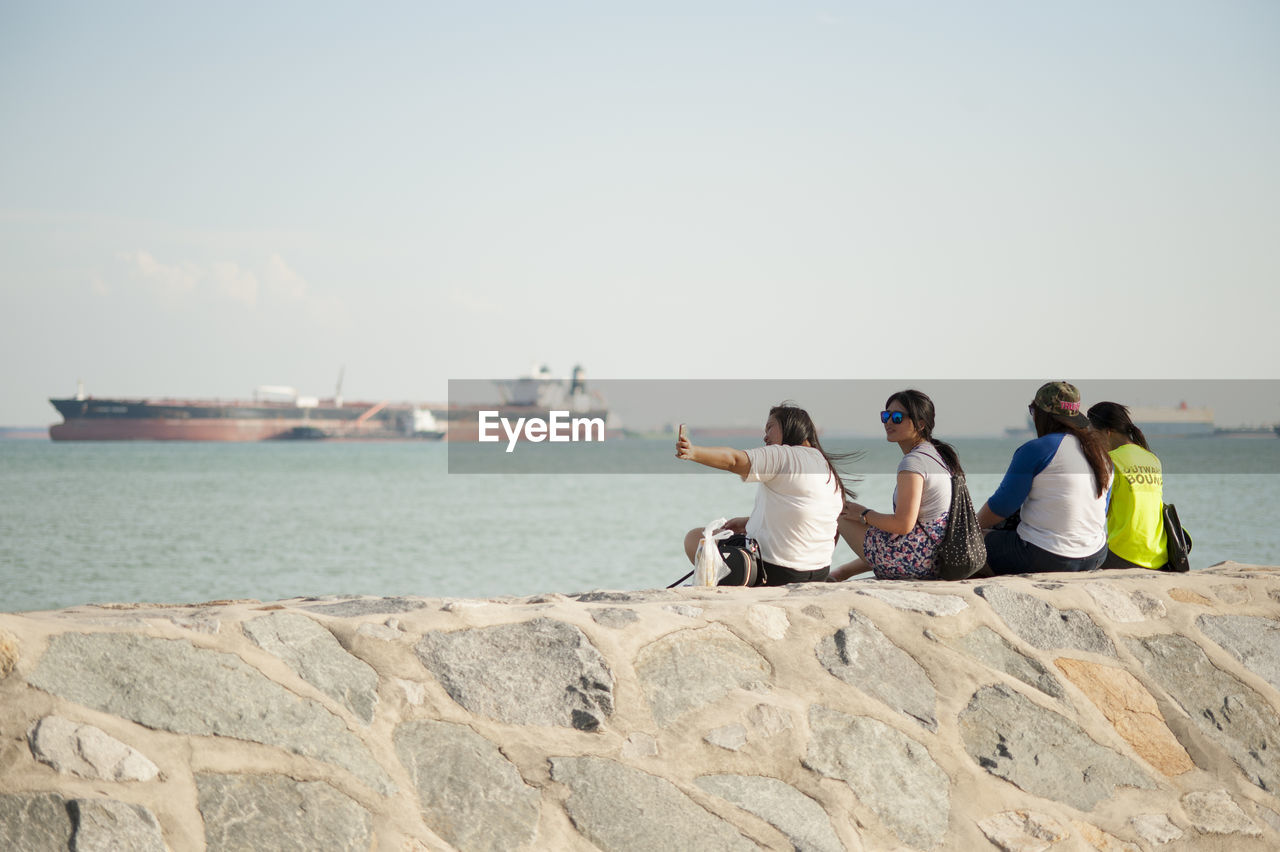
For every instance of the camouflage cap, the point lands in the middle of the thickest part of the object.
(1061, 399)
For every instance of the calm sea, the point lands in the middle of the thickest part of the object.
(188, 522)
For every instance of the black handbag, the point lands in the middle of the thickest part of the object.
(1179, 541)
(962, 552)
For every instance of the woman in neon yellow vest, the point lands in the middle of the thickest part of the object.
(1135, 528)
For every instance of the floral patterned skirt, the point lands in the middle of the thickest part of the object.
(904, 557)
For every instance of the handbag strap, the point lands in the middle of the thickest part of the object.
(938, 460)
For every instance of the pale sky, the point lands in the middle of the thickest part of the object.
(200, 198)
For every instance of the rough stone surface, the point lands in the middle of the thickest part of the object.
(1022, 831)
(1155, 829)
(1190, 597)
(925, 602)
(616, 617)
(860, 654)
(889, 772)
(768, 719)
(771, 621)
(723, 726)
(87, 751)
(1226, 710)
(686, 610)
(470, 794)
(620, 808)
(1132, 710)
(368, 606)
(1042, 752)
(1124, 604)
(803, 821)
(1215, 812)
(1043, 625)
(38, 822)
(730, 737)
(170, 685)
(538, 672)
(272, 813)
(314, 653)
(1101, 840)
(1251, 640)
(691, 668)
(990, 648)
(105, 825)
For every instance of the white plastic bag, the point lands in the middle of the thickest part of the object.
(709, 567)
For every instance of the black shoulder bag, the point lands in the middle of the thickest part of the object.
(1179, 541)
(962, 552)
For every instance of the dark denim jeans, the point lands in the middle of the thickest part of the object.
(1009, 554)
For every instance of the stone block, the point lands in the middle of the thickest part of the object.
(803, 821)
(860, 655)
(469, 793)
(691, 668)
(105, 825)
(87, 751)
(273, 813)
(538, 672)
(990, 648)
(1043, 625)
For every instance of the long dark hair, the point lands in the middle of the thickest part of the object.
(1090, 443)
(797, 427)
(1114, 416)
(921, 411)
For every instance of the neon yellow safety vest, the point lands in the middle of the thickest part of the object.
(1135, 528)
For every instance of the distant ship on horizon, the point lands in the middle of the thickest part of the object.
(1166, 421)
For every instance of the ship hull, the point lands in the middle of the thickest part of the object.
(173, 420)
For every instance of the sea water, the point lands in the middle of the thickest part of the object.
(188, 522)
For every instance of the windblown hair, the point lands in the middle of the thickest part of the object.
(797, 428)
(1114, 416)
(921, 411)
(1095, 453)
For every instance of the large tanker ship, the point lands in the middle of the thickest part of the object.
(272, 413)
(281, 413)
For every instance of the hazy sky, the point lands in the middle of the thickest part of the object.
(196, 199)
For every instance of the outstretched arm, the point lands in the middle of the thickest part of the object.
(721, 458)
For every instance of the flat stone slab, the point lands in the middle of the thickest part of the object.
(1224, 709)
(992, 650)
(171, 685)
(924, 602)
(538, 672)
(1253, 641)
(105, 825)
(1023, 831)
(1123, 604)
(87, 751)
(313, 652)
(890, 773)
(860, 655)
(273, 813)
(1132, 711)
(1215, 812)
(368, 606)
(34, 822)
(1043, 625)
(692, 668)
(623, 809)
(470, 794)
(1042, 752)
(804, 822)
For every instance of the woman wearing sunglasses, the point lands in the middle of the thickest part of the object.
(900, 545)
(1057, 483)
(793, 524)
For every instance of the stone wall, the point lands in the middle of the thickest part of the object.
(1120, 710)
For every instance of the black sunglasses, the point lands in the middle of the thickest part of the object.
(896, 416)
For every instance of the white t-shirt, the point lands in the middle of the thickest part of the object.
(794, 519)
(935, 496)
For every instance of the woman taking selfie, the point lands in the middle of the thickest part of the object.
(793, 524)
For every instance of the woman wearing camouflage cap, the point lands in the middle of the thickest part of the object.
(1058, 483)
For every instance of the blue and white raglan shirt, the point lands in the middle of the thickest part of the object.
(1050, 480)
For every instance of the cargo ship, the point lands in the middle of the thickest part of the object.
(281, 413)
(273, 413)
(535, 395)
